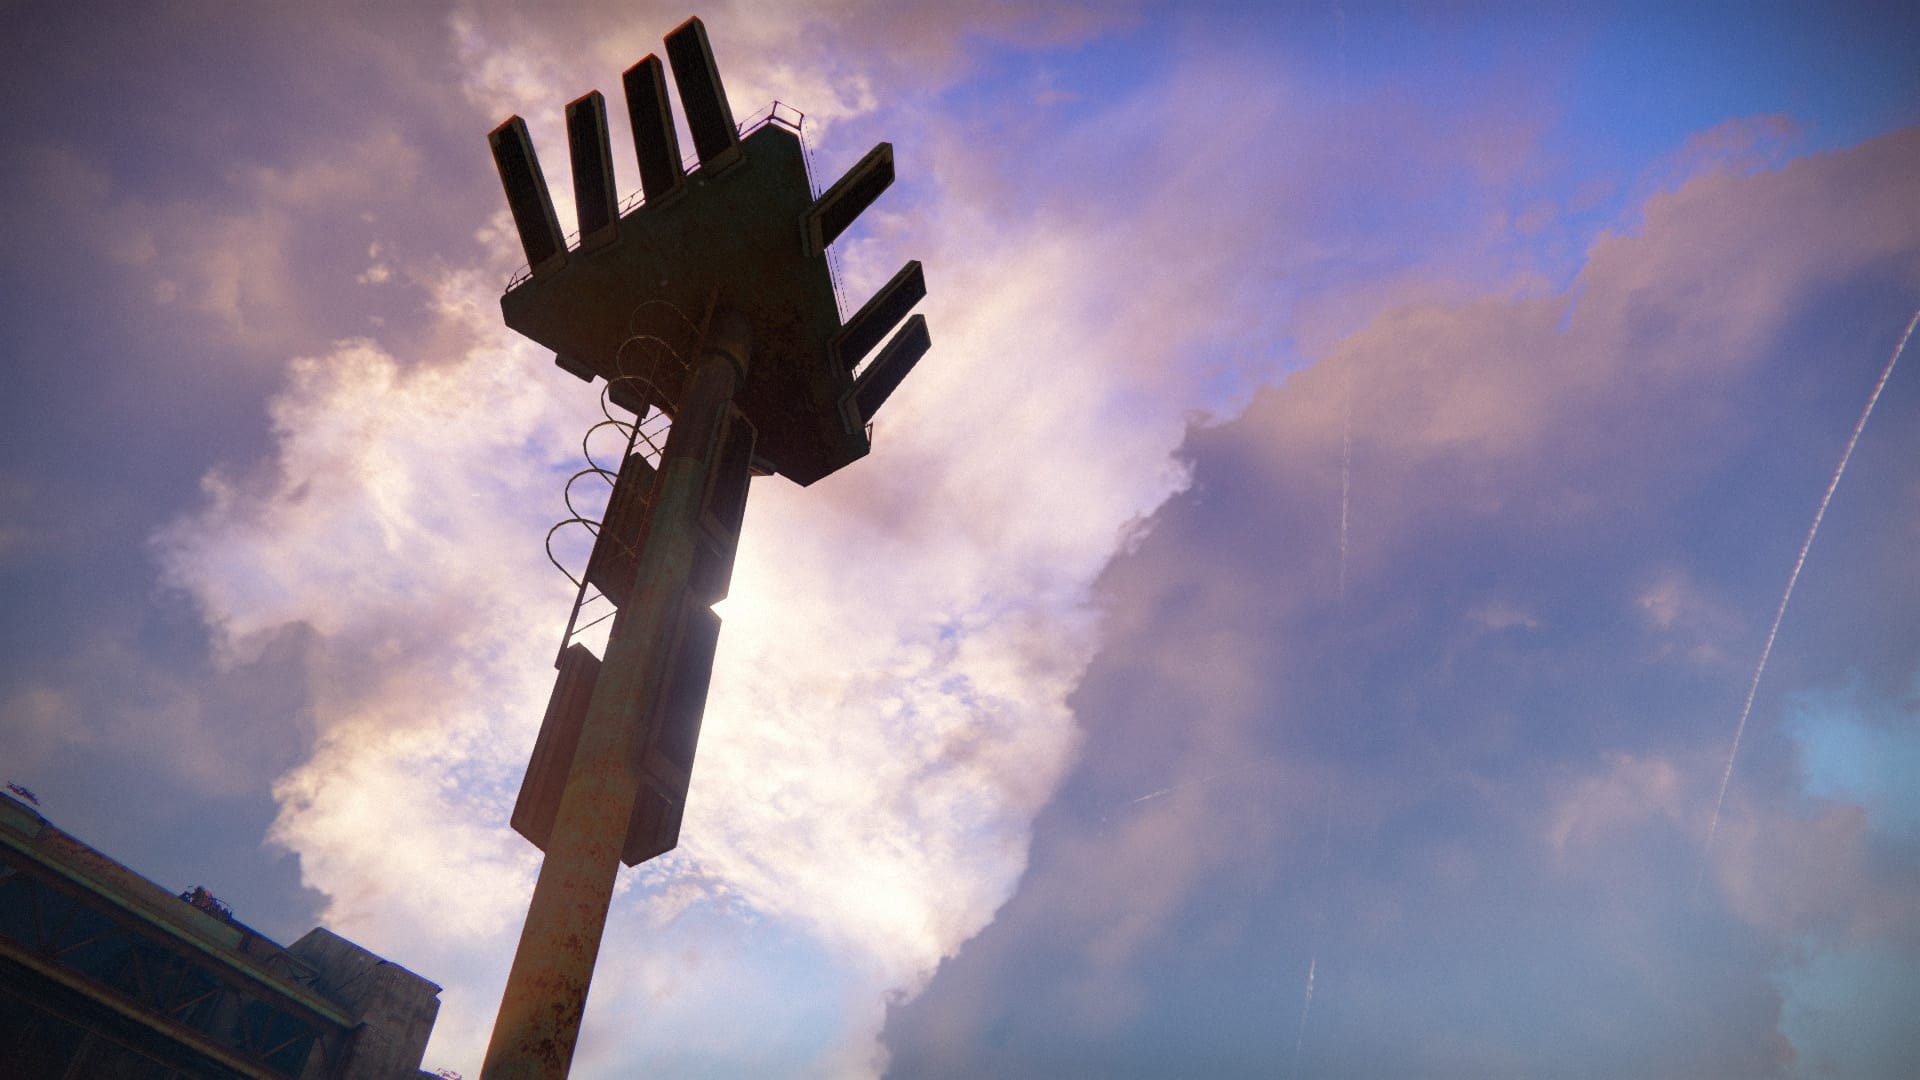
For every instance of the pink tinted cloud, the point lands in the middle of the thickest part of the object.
(1812, 871)
(1627, 794)
(1569, 421)
(1505, 392)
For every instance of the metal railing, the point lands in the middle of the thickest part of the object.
(652, 359)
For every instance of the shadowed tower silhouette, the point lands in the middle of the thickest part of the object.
(708, 308)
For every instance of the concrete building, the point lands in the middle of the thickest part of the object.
(104, 974)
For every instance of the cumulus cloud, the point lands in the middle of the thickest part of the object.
(392, 529)
(40, 719)
(831, 61)
(1475, 767)
(1627, 793)
(879, 800)
(243, 260)
(1685, 619)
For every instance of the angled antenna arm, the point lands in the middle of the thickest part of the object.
(593, 191)
(715, 137)
(654, 142)
(527, 196)
(879, 315)
(833, 211)
(883, 376)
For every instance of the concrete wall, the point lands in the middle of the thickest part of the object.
(395, 1007)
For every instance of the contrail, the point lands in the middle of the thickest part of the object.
(1346, 481)
(1346, 504)
(1306, 1005)
(1313, 941)
(1739, 729)
(1326, 797)
(1244, 766)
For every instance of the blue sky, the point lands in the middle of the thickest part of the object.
(1361, 457)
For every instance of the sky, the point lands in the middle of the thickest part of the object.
(1297, 621)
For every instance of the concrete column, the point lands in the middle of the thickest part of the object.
(546, 991)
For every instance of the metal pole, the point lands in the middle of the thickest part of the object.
(546, 992)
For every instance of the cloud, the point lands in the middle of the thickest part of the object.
(1469, 773)
(246, 235)
(838, 64)
(1739, 146)
(1628, 793)
(878, 802)
(834, 60)
(1847, 1011)
(40, 719)
(107, 700)
(1686, 620)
